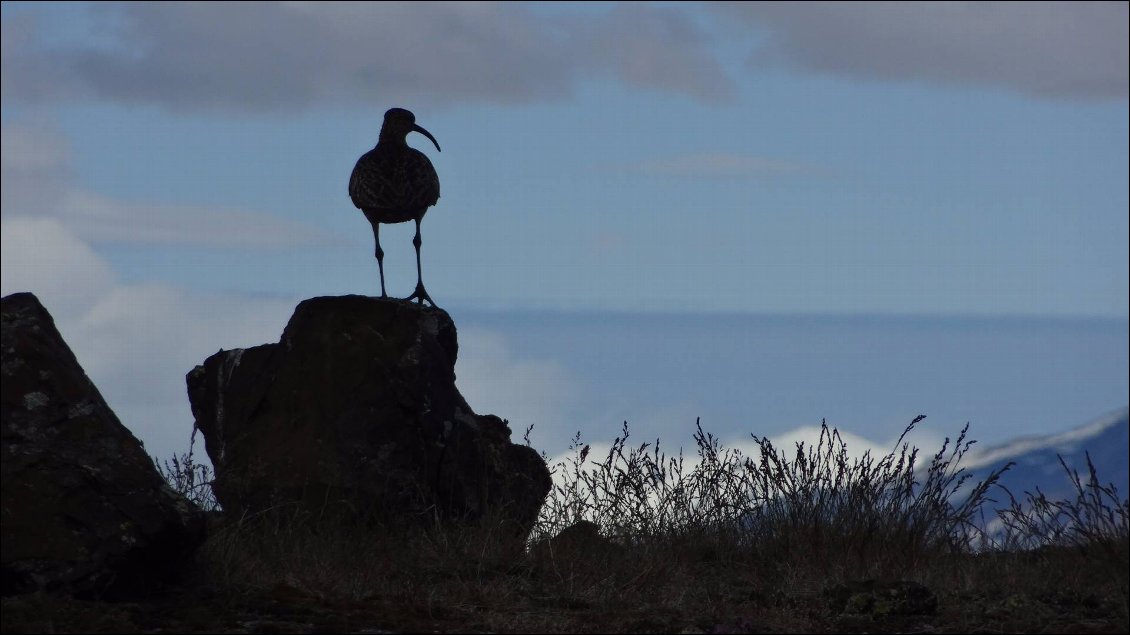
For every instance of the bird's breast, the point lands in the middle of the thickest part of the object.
(402, 179)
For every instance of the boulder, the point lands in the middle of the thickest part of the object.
(576, 542)
(84, 509)
(356, 409)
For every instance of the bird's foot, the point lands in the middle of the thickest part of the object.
(421, 296)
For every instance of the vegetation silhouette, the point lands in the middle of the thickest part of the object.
(804, 539)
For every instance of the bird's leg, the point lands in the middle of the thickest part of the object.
(380, 254)
(420, 294)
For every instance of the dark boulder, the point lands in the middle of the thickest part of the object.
(577, 542)
(356, 409)
(84, 509)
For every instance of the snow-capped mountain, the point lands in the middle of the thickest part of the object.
(1106, 439)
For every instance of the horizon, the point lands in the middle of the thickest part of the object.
(497, 343)
(786, 315)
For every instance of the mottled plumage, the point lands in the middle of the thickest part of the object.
(393, 183)
(396, 184)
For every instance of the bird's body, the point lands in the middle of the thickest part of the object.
(393, 183)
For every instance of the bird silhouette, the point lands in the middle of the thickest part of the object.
(393, 183)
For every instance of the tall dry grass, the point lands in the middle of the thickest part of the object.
(714, 541)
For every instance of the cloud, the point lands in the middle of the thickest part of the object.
(290, 55)
(25, 72)
(784, 443)
(857, 446)
(109, 221)
(1047, 49)
(712, 165)
(495, 380)
(30, 150)
(654, 49)
(136, 342)
(38, 183)
(42, 256)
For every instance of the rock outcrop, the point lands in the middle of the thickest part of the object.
(84, 509)
(356, 409)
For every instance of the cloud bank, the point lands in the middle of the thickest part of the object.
(494, 379)
(291, 56)
(1045, 49)
(274, 56)
(137, 341)
(39, 183)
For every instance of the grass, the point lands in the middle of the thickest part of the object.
(191, 479)
(813, 506)
(806, 539)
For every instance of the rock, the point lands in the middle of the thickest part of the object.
(356, 409)
(581, 540)
(84, 509)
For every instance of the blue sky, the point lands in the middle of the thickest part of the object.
(183, 168)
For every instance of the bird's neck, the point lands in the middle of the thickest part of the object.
(392, 139)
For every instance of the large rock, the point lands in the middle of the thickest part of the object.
(356, 408)
(84, 509)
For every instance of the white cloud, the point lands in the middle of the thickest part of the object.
(1046, 49)
(857, 446)
(495, 380)
(784, 443)
(289, 55)
(137, 341)
(38, 183)
(42, 256)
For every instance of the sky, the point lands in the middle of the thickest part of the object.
(174, 175)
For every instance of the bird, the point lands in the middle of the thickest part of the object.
(395, 183)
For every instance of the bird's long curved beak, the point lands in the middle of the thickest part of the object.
(427, 134)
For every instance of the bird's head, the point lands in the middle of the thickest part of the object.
(399, 122)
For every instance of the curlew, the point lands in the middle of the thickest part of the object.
(393, 183)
